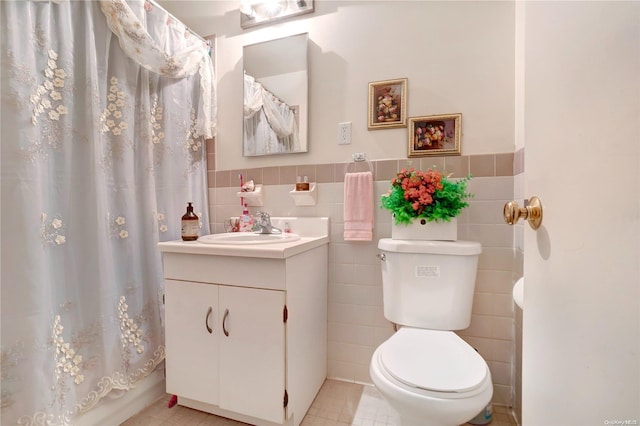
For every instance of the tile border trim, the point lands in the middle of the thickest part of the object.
(483, 165)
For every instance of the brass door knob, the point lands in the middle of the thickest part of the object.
(532, 212)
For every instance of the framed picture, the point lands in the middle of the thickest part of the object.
(434, 135)
(388, 104)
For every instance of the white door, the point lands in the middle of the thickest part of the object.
(581, 325)
(191, 340)
(252, 352)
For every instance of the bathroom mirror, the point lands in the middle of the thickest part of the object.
(275, 96)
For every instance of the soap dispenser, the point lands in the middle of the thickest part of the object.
(246, 220)
(190, 224)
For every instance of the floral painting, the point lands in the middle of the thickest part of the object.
(387, 104)
(434, 135)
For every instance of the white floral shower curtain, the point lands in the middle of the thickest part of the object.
(105, 110)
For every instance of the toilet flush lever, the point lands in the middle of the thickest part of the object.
(532, 212)
(381, 256)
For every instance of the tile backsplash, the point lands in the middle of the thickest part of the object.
(356, 321)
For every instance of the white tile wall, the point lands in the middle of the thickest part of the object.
(356, 321)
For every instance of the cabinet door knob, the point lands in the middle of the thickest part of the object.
(224, 322)
(532, 212)
(206, 320)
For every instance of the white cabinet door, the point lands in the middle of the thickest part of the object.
(252, 352)
(192, 340)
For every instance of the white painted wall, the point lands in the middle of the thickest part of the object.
(458, 57)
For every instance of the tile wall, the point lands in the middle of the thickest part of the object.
(356, 322)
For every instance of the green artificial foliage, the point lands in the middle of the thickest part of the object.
(445, 198)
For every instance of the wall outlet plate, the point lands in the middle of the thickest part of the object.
(344, 133)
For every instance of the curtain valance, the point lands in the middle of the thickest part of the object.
(138, 44)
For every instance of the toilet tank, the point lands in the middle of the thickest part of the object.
(429, 284)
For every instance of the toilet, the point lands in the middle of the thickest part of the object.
(428, 374)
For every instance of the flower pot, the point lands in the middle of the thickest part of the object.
(420, 229)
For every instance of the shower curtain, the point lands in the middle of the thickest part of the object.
(105, 110)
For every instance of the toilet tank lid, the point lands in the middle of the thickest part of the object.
(459, 248)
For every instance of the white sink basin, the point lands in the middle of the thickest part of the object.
(518, 293)
(306, 234)
(247, 238)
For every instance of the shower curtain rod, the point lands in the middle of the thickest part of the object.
(173, 17)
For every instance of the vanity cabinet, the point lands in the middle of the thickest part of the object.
(225, 345)
(246, 328)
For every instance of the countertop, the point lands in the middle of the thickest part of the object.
(270, 251)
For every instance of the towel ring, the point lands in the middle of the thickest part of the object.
(359, 157)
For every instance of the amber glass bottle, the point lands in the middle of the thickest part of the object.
(190, 225)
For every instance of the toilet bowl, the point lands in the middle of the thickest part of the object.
(431, 377)
(428, 374)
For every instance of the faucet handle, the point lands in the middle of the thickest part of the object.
(264, 216)
(263, 220)
(263, 224)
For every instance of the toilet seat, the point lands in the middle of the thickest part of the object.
(433, 360)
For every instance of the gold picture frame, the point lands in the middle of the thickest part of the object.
(387, 104)
(434, 135)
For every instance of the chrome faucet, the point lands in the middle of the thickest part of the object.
(263, 224)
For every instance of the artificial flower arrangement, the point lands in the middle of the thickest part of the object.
(425, 194)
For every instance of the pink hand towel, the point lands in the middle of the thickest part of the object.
(358, 206)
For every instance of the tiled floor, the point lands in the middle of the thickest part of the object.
(337, 403)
